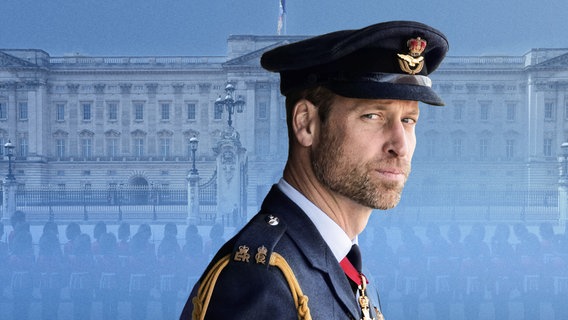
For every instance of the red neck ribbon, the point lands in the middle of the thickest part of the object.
(350, 271)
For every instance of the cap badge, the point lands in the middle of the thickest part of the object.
(413, 62)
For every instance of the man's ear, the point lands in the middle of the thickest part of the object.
(304, 122)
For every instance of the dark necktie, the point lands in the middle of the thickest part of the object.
(352, 266)
(354, 256)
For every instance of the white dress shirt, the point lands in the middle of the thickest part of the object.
(337, 240)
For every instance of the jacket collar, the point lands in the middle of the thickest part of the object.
(302, 231)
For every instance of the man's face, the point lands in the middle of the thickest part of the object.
(365, 148)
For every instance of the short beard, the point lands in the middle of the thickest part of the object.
(334, 170)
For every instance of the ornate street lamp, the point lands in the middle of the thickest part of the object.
(229, 103)
(193, 142)
(9, 148)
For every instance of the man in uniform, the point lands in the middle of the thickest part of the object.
(352, 106)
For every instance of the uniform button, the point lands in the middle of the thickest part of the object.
(272, 220)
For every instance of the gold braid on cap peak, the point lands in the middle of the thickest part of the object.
(205, 291)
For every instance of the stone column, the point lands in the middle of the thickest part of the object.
(230, 159)
(193, 198)
(563, 186)
(9, 199)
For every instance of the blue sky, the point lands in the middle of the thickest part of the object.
(201, 27)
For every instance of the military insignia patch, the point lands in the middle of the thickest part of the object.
(413, 62)
(242, 255)
(260, 256)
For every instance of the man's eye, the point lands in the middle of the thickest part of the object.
(409, 120)
(371, 116)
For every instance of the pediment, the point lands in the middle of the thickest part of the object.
(112, 133)
(556, 62)
(253, 58)
(165, 133)
(138, 133)
(9, 61)
(86, 133)
(60, 133)
(191, 133)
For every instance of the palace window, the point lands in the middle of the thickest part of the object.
(138, 111)
(218, 113)
(483, 148)
(86, 111)
(3, 110)
(165, 111)
(547, 147)
(86, 147)
(138, 147)
(112, 111)
(484, 112)
(549, 110)
(509, 149)
(191, 111)
(23, 147)
(23, 111)
(511, 111)
(112, 147)
(60, 112)
(165, 147)
(60, 148)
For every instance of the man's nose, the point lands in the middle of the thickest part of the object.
(396, 143)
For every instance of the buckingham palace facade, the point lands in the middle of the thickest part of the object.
(104, 122)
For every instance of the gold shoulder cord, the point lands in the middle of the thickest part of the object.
(201, 301)
(300, 299)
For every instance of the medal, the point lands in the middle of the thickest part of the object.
(364, 302)
(361, 281)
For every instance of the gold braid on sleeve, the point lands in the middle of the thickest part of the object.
(300, 299)
(205, 290)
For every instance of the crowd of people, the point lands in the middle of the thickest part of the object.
(513, 268)
(102, 270)
(441, 266)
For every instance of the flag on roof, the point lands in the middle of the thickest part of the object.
(281, 16)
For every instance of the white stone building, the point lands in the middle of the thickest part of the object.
(104, 122)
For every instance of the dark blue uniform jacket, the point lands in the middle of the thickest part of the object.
(251, 290)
